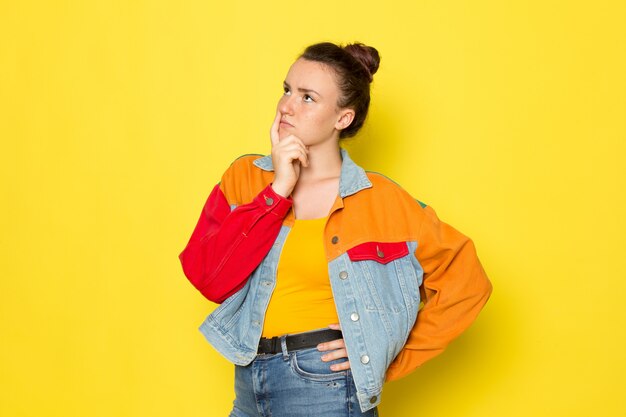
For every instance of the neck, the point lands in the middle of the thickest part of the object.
(324, 162)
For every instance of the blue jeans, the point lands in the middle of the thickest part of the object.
(295, 384)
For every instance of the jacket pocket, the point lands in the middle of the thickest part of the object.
(383, 252)
(387, 277)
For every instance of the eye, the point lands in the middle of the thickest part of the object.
(286, 90)
(307, 98)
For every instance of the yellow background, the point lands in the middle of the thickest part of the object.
(118, 117)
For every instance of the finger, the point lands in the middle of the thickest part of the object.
(289, 143)
(274, 136)
(294, 155)
(292, 140)
(335, 326)
(304, 160)
(335, 354)
(340, 366)
(333, 344)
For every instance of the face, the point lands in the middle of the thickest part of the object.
(309, 104)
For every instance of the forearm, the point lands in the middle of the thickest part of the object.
(442, 319)
(455, 288)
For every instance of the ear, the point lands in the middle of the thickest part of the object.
(346, 116)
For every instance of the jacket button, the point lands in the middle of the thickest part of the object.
(380, 253)
(269, 201)
(343, 275)
(334, 240)
(373, 399)
(354, 317)
(365, 359)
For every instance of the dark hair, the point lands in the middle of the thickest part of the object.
(355, 65)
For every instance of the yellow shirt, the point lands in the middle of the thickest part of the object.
(302, 299)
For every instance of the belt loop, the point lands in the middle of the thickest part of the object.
(283, 347)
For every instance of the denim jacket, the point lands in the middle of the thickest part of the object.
(386, 253)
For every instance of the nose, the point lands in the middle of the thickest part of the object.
(285, 105)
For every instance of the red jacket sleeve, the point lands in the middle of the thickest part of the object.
(226, 246)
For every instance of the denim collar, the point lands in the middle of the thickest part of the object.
(352, 178)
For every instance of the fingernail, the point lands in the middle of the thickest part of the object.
(324, 357)
(319, 347)
(333, 367)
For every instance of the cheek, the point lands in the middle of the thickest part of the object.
(327, 119)
(319, 122)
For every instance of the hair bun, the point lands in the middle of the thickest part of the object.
(368, 57)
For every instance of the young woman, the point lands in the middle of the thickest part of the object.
(319, 266)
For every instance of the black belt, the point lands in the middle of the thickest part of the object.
(298, 341)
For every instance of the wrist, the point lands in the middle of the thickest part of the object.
(282, 190)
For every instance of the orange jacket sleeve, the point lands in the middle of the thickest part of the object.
(454, 290)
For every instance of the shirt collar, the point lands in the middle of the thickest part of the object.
(352, 178)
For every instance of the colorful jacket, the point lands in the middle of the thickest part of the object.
(386, 253)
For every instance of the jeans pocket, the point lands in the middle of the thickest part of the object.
(308, 365)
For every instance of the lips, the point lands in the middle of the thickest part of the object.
(284, 123)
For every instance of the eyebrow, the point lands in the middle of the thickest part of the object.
(302, 90)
